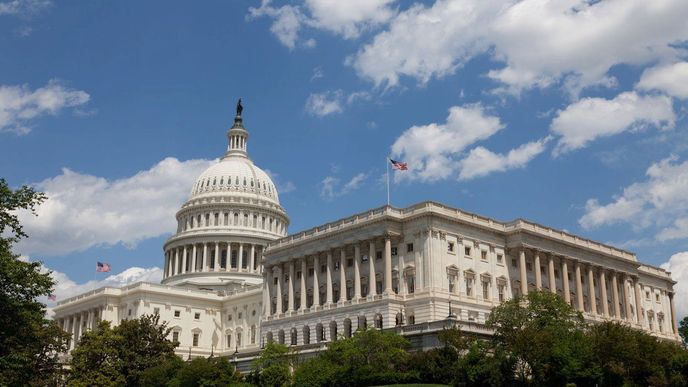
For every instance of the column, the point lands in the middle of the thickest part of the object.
(615, 296)
(603, 293)
(579, 287)
(240, 260)
(252, 259)
(267, 302)
(277, 272)
(342, 274)
(552, 278)
(217, 257)
(316, 285)
(538, 274)
(89, 320)
(304, 268)
(193, 261)
(328, 284)
(638, 301)
(524, 274)
(175, 268)
(627, 304)
(184, 257)
(166, 267)
(73, 327)
(565, 280)
(372, 281)
(205, 256)
(170, 263)
(290, 289)
(674, 322)
(591, 290)
(388, 265)
(357, 271)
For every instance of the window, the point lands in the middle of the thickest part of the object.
(217, 218)
(452, 282)
(240, 314)
(450, 247)
(195, 339)
(411, 319)
(177, 313)
(378, 255)
(311, 271)
(197, 316)
(364, 258)
(274, 282)
(500, 258)
(129, 312)
(647, 295)
(556, 273)
(175, 336)
(469, 287)
(253, 334)
(229, 341)
(323, 268)
(466, 250)
(349, 262)
(336, 266)
(394, 251)
(298, 275)
(486, 290)
(229, 317)
(409, 247)
(657, 297)
(156, 310)
(529, 266)
(500, 289)
(238, 341)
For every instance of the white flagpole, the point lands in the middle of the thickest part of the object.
(387, 169)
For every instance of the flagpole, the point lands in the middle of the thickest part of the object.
(387, 169)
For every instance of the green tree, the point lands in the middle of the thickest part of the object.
(683, 330)
(162, 374)
(546, 339)
(29, 343)
(206, 372)
(120, 355)
(273, 366)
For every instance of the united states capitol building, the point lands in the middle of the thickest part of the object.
(234, 279)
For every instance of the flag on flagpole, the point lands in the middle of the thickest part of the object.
(102, 267)
(52, 297)
(398, 165)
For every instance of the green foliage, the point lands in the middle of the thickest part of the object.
(683, 330)
(162, 374)
(29, 343)
(120, 355)
(206, 372)
(273, 367)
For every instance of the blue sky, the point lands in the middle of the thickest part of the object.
(568, 113)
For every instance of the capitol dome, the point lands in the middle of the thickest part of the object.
(232, 213)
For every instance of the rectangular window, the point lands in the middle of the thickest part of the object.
(469, 287)
(156, 310)
(274, 281)
(394, 251)
(529, 266)
(657, 297)
(450, 247)
(409, 247)
(647, 295)
(177, 313)
(483, 255)
(501, 293)
(238, 339)
(175, 336)
(513, 262)
(229, 341)
(411, 284)
(195, 339)
(311, 271)
(500, 257)
(323, 269)
(349, 262)
(129, 313)
(197, 316)
(298, 275)
(467, 251)
(217, 218)
(486, 290)
(378, 255)
(556, 273)
(336, 266)
(364, 258)
(452, 281)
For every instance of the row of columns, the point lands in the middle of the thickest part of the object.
(277, 271)
(602, 280)
(78, 323)
(231, 218)
(178, 261)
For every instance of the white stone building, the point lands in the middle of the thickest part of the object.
(234, 280)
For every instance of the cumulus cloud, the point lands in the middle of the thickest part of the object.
(678, 266)
(324, 104)
(573, 43)
(481, 162)
(590, 118)
(65, 287)
(19, 105)
(331, 187)
(83, 210)
(433, 151)
(659, 201)
(670, 78)
(286, 24)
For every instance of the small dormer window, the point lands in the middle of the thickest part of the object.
(222, 181)
(215, 181)
(244, 181)
(251, 182)
(237, 180)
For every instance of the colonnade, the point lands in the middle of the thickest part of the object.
(78, 323)
(213, 257)
(621, 306)
(280, 278)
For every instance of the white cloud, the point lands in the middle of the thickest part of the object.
(66, 287)
(432, 151)
(287, 21)
(540, 42)
(671, 79)
(481, 162)
(19, 105)
(659, 201)
(349, 18)
(24, 8)
(83, 211)
(323, 104)
(590, 118)
(331, 187)
(678, 266)
(317, 73)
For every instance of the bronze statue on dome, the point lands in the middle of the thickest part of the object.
(239, 108)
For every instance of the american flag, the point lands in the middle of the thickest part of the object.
(102, 267)
(52, 297)
(399, 165)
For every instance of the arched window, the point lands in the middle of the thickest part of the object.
(253, 334)
(347, 328)
(268, 337)
(319, 333)
(306, 334)
(294, 336)
(378, 321)
(362, 323)
(280, 336)
(399, 319)
(333, 331)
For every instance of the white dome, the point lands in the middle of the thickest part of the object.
(235, 175)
